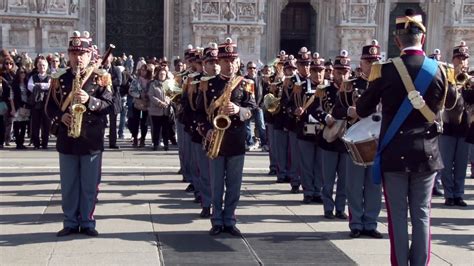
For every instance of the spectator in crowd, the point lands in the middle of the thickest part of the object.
(129, 63)
(139, 114)
(257, 113)
(38, 85)
(159, 109)
(20, 107)
(8, 73)
(54, 64)
(140, 63)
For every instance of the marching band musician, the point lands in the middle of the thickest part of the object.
(186, 118)
(203, 181)
(226, 170)
(268, 117)
(303, 98)
(183, 139)
(452, 143)
(280, 134)
(334, 152)
(191, 136)
(79, 158)
(363, 197)
(412, 89)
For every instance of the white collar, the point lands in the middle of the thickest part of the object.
(416, 47)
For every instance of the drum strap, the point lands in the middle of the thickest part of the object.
(422, 82)
(410, 87)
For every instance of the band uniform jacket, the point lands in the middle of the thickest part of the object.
(468, 95)
(258, 90)
(414, 148)
(303, 95)
(327, 105)
(199, 114)
(233, 142)
(94, 119)
(181, 78)
(290, 118)
(187, 101)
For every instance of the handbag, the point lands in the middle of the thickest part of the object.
(140, 104)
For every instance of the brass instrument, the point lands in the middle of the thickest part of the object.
(221, 122)
(172, 90)
(272, 102)
(464, 80)
(77, 108)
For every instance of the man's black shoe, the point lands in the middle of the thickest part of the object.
(287, 180)
(67, 231)
(190, 188)
(215, 230)
(449, 202)
(205, 213)
(355, 233)
(180, 172)
(329, 215)
(166, 148)
(114, 147)
(233, 230)
(197, 199)
(341, 215)
(372, 233)
(89, 231)
(317, 199)
(460, 202)
(295, 189)
(272, 172)
(307, 199)
(437, 191)
(279, 181)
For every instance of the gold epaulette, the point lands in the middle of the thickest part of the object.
(347, 85)
(248, 85)
(376, 70)
(450, 73)
(58, 73)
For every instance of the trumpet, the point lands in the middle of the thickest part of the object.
(464, 80)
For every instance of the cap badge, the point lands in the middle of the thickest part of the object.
(76, 42)
(229, 48)
(373, 50)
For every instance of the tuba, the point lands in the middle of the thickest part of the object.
(221, 122)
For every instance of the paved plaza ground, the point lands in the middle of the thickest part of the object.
(144, 217)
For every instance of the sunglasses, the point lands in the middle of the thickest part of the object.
(251, 68)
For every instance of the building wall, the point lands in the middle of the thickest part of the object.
(43, 25)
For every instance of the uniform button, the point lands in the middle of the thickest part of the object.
(194, 121)
(210, 84)
(212, 90)
(61, 80)
(64, 93)
(401, 131)
(215, 97)
(63, 86)
(329, 98)
(428, 132)
(402, 157)
(430, 157)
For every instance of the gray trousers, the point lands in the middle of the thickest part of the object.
(364, 198)
(334, 163)
(455, 153)
(203, 182)
(181, 150)
(272, 144)
(225, 172)
(311, 168)
(413, 190)
(295, 159)
(282, 154)
(79, 176)
(189, 171)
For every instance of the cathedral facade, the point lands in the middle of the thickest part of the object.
(260, 27)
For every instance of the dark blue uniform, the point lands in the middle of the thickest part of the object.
(80, 158)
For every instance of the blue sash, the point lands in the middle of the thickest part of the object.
(423, 80)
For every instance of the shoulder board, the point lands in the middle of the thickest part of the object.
(100, 71)
(376, 70)
(347, 85)
(248, 81)
(193, 75)
(449, 68)
(194, 82)
(59, 73)
(206, 78)
(248, 86)
(204, 84)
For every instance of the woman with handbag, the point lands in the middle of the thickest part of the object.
(159, 109)
(139, 92)
(4, 95)
(20, 107)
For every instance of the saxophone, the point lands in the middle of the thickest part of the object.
(221, 122)
(77, 109)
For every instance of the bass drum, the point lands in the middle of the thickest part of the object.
(362, 139)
